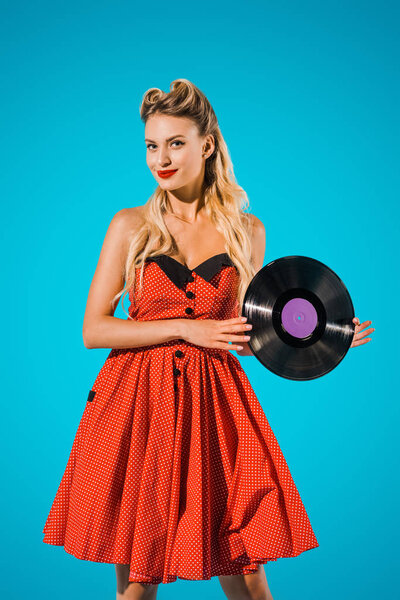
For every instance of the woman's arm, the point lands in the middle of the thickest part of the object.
(112, 332)
(100, 328)
(257, 258)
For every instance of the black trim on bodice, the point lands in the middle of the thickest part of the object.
(180, 274)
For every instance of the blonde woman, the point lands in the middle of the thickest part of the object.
(174, 470)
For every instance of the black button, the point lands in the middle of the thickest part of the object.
(176, 371)
(188, 310)
(179, 353)
(190, 294)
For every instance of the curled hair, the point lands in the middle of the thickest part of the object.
(225, 201)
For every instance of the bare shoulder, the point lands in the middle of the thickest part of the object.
(135, 213)
(128, 218)
(257, 225)
(258, 241)
(123, 226)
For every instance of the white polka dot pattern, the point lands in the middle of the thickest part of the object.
(174, 468)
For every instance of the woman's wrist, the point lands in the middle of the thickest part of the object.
(179, 328)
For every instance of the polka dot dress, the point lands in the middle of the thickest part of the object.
(174, 468)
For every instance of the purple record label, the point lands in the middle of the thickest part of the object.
(299, 317)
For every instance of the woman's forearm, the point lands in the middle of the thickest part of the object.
(112, 332)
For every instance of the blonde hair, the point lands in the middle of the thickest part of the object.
(224, 200)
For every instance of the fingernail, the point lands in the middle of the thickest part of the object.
(244, 318)
(240, 347)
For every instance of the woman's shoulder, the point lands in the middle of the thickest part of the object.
(123, 227)
(256, 225)
(129, 219)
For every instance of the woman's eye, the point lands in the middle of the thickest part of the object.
(176, 142)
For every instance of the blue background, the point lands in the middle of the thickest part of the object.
(307, 97)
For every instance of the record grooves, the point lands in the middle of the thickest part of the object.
(301, 314)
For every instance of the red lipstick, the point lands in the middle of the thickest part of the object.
(165, 174)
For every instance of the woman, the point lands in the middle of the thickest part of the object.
(174, 470)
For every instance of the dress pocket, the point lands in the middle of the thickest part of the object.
(91, 395)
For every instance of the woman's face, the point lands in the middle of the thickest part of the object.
(174, 143)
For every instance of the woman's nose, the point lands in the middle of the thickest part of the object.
(163, 158)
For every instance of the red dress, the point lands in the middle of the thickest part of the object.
(174, 468)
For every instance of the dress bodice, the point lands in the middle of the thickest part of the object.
(171, 290)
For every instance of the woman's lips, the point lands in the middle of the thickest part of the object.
(165, 174)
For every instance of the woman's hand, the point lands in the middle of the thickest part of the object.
(359, 333)
(212, 333)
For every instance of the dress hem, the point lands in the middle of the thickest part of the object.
(244, 569)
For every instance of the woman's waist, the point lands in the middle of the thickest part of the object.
(177, 345)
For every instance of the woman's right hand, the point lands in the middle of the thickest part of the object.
(212, 333)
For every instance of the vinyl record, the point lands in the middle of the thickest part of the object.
(301, 314)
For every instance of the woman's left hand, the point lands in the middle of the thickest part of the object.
(360, 332)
